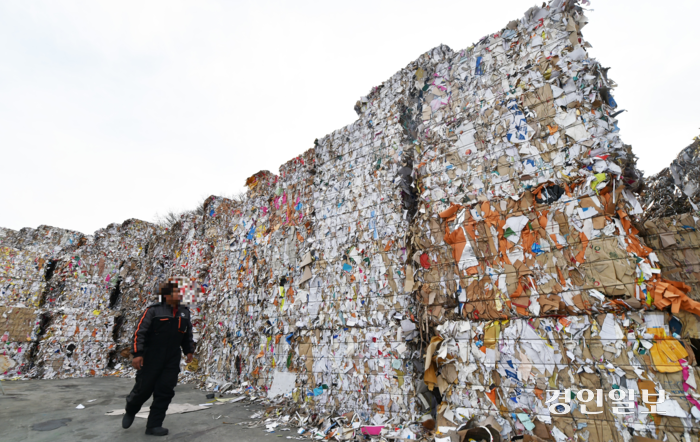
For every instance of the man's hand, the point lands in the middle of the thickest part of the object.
(189, 358)
(137, 363)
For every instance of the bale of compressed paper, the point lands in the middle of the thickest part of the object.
(28, 259)
(676, 242)
(676, 189)
(18, 334)
(525, 198)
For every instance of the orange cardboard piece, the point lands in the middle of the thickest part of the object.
(634, 246)
(650, 387)
(580, 257)
(539, 394)
(673, 293)
(528, 238)
(471, 271)
(456, 239)
(469, 227)
(492, 395)
(451, 212)
(562, 280)
(490, 216)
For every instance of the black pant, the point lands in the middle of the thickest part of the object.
(157, 377)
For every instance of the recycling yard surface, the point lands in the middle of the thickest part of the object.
(45, 410)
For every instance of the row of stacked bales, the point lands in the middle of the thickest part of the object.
(139, 275)
(355, 348)
(89, 292)
(238, 233)
(458, 254)
(669, 226)
(84, 296)
(255, 246)
(250, 273)
(215, 347)
(177, 251)
(28, 259)
(280, 281)
(307, 277)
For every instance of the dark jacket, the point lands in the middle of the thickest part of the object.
(162, 328)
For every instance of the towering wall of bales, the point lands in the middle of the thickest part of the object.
(461, 252)
(669, 222)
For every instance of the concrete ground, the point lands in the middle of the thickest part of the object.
(44, 410)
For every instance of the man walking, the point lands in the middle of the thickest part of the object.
(163, 329)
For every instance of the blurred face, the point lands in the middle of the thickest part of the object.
(174, 298)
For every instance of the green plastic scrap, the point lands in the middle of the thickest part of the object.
(599, 178)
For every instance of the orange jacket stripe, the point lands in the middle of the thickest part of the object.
(136, 334)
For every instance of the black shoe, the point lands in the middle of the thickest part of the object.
(127, 420)
(157, 431)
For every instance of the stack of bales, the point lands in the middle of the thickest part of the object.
(27, 261)
(85, 296)
(531, 277)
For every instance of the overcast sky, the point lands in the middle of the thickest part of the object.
(112, 110)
